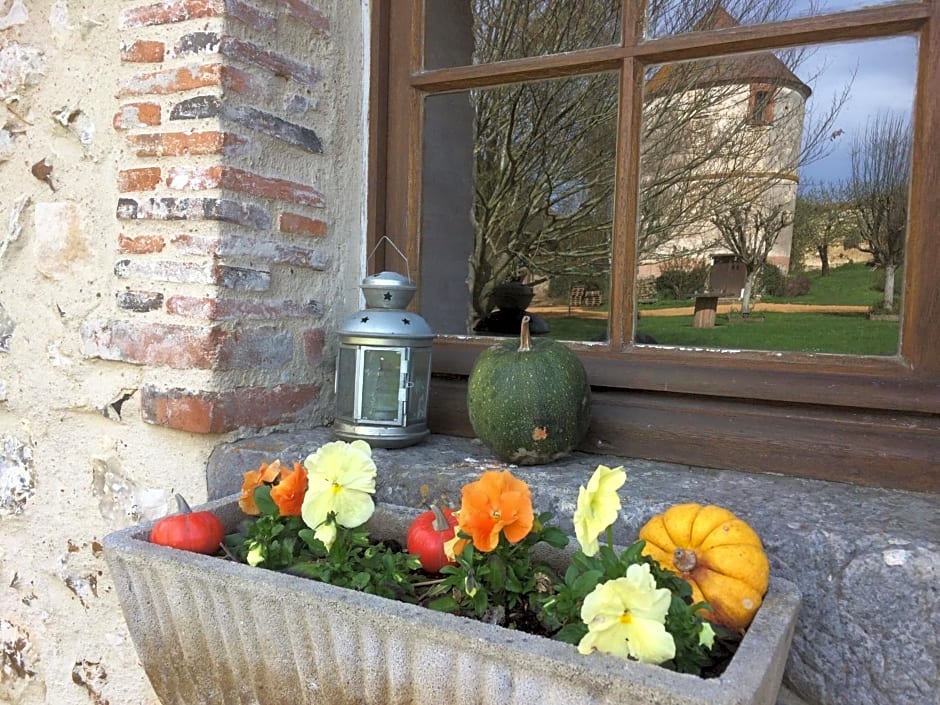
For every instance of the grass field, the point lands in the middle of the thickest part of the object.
(838, 333)
(843, 333)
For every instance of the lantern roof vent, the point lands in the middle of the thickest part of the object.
(388, 290)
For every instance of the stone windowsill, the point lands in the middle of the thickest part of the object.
(867, 560)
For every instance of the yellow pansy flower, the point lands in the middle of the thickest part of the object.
(626, 617)
(340, 482)
(598, 506)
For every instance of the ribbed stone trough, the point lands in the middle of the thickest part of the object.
(213, 631)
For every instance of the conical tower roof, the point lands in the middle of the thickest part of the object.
(759, 67)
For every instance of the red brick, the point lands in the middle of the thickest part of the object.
(301, 225)
(140, 245)
(169, 12)
(187, 347)
(251, 16)
(226, 276)
(176, 346)
(165, 271)
(143, 52)
(143, 179)
(136, 115)
(176, 80)
(244, 83)
(310, 15)
(174, 144)
(278, 64)
(313, 345)
(231, 178)
(225, 210)
(253, 248)
(220, 412)
(236, 309)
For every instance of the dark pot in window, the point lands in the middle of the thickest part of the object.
(512, 295)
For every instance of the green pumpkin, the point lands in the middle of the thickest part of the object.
(529, 400)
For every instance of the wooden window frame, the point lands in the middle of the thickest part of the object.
(869, 420)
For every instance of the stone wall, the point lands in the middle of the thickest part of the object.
(180, 228)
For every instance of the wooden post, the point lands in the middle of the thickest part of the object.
(705, 308)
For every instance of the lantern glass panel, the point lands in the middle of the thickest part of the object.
(381, 385)
(346, 382)
(418, 390)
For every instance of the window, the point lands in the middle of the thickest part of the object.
(865, 418)
(761, 105)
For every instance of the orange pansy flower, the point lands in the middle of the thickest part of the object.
(497, 502)
(288, 493)
(266, 474)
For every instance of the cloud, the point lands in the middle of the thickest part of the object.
(885, 78)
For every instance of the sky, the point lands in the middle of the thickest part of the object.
(886, 72)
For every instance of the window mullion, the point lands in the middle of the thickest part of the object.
(623, 233)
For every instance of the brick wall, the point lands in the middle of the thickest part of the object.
(224, 242)
(181, 187)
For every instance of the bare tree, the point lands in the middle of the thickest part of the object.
(821, 219)
(878, 188)
(543, 155)
(749, 233)
(544, 152)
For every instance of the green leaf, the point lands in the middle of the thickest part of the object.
(263, 499)
(572, 633)
(444, 604)
(555, 537)
(360, 580)
(497, 574)
(586, 582)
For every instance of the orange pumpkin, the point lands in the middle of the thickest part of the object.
(718, 553)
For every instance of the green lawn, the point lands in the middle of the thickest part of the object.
(854, 284)
(840, 333)
(849, 284)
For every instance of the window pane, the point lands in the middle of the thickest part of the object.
(669, 17)
(461, 32)
(517, 197)
(773, 199)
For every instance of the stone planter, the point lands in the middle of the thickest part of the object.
(208, 630)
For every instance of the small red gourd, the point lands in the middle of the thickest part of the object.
(428, 534)
(199, 532)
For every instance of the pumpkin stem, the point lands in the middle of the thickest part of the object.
(525, 339)
(440, 522)
(182, 504)
(684, 560)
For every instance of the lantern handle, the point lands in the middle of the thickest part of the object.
(401, 254)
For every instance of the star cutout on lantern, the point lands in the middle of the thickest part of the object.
(406, 321)
(388, 296)
(364, 319)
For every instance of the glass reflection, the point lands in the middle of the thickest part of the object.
(517, 208)
(670, 17)
(773, 196)
(460, 32)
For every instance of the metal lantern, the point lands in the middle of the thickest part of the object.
(383, 371)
